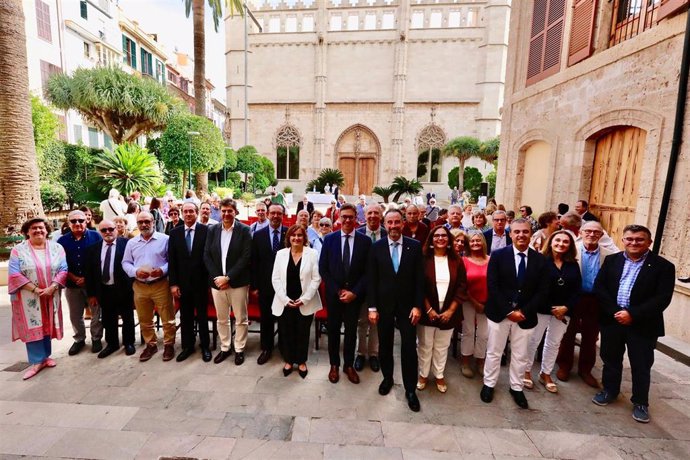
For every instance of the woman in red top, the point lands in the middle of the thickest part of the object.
(475, 331)
(333, 213)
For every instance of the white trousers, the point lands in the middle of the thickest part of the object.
(432, 350)
(235, 298)
(498, 336)
(473, 343)
(555, 329)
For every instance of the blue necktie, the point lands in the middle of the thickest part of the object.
(188, 239)
(276, 240)
(395, 257)
(522, 269)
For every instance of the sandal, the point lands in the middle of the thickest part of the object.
(527, 381)
(50, 362)
(441, 385)
(421, 383)
(550, 386)
(33, 370)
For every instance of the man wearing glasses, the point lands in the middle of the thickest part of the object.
(76, 242)
(497, 237)
(109, 288)
(146, 260)
(634, 287)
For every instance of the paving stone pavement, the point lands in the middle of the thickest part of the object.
(119, 408)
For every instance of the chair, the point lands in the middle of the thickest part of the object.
(321, 316)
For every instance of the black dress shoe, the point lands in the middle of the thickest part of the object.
(374, 363)
(287, 371)
(412, 401)
(303, 373)
(76, 348)
(359, 363)
(519, 398)
(206, 354)
(184, 354)
(107, 351)
(96, 346)
(130, 350)
(239, 358)
(487, 394)
(385, 387)
(222, 356)
(263, 357)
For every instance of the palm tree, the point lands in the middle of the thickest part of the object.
(330, 176)
(489, 149)
(403, 185)
(197, 7)
(19, 190)
(383, 192)
(128, 168)
(463, 148)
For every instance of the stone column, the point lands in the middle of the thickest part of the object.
(398, 164)
(320, 78)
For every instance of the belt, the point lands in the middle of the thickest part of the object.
(162, 278)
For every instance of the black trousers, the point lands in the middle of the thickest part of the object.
(117, 301)
(614, 340)
(339, 313)
(408, 346)
(267, 324)
(294, 335)
(194, 300)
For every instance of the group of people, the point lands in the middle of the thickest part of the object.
(381, 269)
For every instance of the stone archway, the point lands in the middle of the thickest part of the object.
(358, 150)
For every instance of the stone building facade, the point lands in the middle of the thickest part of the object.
(589, 111)
(372, 87)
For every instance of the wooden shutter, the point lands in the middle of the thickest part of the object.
(582, 31)
(670, 7)
(546, 39)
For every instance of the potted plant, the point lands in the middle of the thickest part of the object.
(287, 192)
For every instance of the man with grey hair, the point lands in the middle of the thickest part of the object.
(572, 222)
(261, 220)
(497, 237)
(76, 242)
(454, 217)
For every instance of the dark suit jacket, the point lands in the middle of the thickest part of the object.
(238, 257)
(185, 270)
(94, 270)
(421, 234)
(504, 289)
(489, 236)
(331, 266)
(310, 207)
(650, 295)
(363, 229)
(457, 292)
(388, 290)
(263, 257)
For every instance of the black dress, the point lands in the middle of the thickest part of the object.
(293, 326)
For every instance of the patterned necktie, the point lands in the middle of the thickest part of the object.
(276, 240)
(395, 257)
(105, 273)
(346, 254)
(522, 269)
(188, 239)
(373, 237)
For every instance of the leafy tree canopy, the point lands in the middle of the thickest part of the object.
(124, 106)
(401, 185)
(207, 147)
(248, 160)
(471, 180)
(463, 147)
(45, 124)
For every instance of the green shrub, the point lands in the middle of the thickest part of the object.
(224, 192)
(287, 189)
(53, 195)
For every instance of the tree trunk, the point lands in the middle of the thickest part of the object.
(461, 175)
(19, 191)
(200, 79)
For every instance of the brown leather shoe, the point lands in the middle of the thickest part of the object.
(589, 379)
(333, 375)
(168, 352)
(148, 352)
(351, 374)
(563, 374)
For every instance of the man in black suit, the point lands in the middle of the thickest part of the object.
(342, 266)
(497, 237)
(305, 204)
(265, 244)
(634, 288)
(227, 255)
(189, 280)
(108, 285)
(517, 288)
(582, 208)
(396, 294)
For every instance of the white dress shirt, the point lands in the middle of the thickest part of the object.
(498, 241)
(225, 238)
(517, 257)
(350, 241)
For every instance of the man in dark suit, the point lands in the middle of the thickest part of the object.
(108, 285)
(265, 244)
(305, 204)
(396, 294)
(227, 255)
(582, 208)
(414, 228)
(634, 288)
(517, 288)
(497, 237)
(189, 280)
(342, 266)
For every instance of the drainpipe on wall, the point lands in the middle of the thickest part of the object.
(677, 137)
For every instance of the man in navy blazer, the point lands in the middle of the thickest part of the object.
(517, 288)
(634, 287)
(111, 288)
(396, 294)
(342, 266)
(497, 237)
(189, 280)
(265, 243)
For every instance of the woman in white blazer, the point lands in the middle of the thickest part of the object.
(296, 283)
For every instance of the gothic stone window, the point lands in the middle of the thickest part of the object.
(429, 144)
(287, 152)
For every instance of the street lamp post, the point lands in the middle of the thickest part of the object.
(189, 136)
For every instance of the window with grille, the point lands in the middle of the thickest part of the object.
(288, 143)
(43, 21)
(632, 17)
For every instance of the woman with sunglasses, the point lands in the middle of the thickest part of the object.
(37, 273)
(313, 229)
(325, 227)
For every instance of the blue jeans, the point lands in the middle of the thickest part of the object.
(39, 350)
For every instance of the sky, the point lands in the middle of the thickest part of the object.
(167, 19)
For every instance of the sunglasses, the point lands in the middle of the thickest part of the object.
(75, 221)
(107, 229)
(324, 225)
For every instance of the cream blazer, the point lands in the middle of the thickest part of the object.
(309, 279)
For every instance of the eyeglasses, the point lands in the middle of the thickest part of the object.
(148, 221)
(592, 232)
(347, 217)
(634, 240)
(75, 221)
(107, 229)
(499, 220)
(523, 210)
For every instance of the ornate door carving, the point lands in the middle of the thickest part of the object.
(358, 150)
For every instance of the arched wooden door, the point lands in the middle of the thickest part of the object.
(616, 177)
(358, 151)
